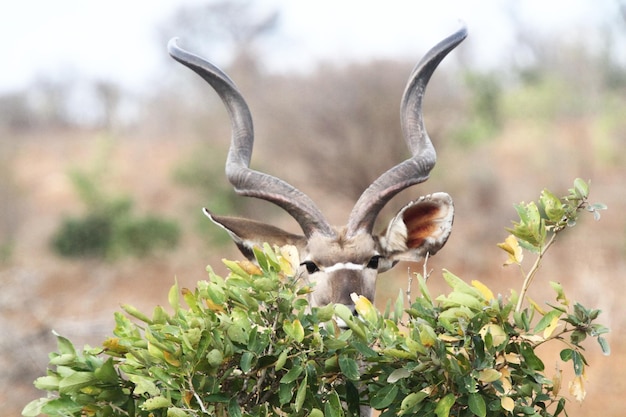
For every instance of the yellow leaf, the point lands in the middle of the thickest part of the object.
(536, 306)
(364, 307)
(213, 306)
(489, 375)
(554, 323)
(512, 247)
(577, 388)
(498, 335)
(484, 290)
(428, 337)
(250, 268)
(512, 358)
(505, 379)
(170, 358)
(289, 259)
(507, 403)
(449, 338)
(557, 379)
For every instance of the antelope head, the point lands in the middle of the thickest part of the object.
(348, 259)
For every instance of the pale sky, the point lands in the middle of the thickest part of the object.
(117, 39)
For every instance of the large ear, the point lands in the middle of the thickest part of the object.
(249, 233)
(421, 227)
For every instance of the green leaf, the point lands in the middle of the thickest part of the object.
(132, 311)
(604, 344)
(547, 319)
(581, 188)
(76, 381)
(235, 269)
(33, 408)
(246, 362)
(552, 206)
(345, 314)
(143, 385)
(176, 412)
(457, 284)
(532, 360)
(325, 313)
(566, 354)
(333, 408)
(62, 406)
(155, 403)
(294, 330)
(397, 375)
(445, 405)
(64, 359)
(384, 397)
(173, 298)
(64, 346)
(477, 405)
(106, 373)
(560, 293)
(234, 410)
(285, 393)
(316, 412)
(282, 359)
(261, 258)
(461, 299)
(272, 259)
(398, 310)
(301, 394)
(47, 383)
(292, 375)
(411, 401)
(349, 367)
(578, 362)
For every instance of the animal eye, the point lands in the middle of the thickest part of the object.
(311, 268)
(373, 262)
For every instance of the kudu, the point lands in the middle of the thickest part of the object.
(345, 260)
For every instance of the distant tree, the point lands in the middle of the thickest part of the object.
(109, 94)
(339, 128)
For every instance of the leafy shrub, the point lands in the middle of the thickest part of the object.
(249, 344)
(109, 228)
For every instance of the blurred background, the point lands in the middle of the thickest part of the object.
(108, 149)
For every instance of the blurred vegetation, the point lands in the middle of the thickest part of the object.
(199, 171)
(484, 112)
(109, 229)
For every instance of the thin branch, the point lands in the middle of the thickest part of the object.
(410, 284)
(532, 272)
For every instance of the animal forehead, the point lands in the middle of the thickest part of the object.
(327, 251)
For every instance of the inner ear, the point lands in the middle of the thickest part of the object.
(420, 227)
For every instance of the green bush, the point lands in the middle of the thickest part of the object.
(113, 232)
(249, 344)
(109, 229)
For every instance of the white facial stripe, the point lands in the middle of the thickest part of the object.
(341, 265)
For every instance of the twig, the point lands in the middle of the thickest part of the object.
(424, 272)
(410, 284)
(197, 397)
(531, 274)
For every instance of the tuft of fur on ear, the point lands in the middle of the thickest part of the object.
(250, 233)
(421, 227)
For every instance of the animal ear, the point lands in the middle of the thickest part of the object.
(249, 233)
(421, 227)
